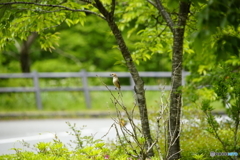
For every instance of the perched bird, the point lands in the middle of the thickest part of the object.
(116, 81)
(123, 122)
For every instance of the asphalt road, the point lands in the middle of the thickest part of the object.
(34, 131)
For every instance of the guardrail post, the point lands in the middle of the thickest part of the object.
(37, 90)
(85, 89)
(132, 84)
(184, 74)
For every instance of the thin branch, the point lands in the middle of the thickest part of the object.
(152, 3)
(174, 154)
(108, 131)
(40, 11)
(53, 6)
(69, 56)
(86, 1)
(128, 135)
(113, 7)
(162, 31)
(98, 4)
(128, 141)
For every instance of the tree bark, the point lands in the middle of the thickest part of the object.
(176, 94)
(24, 53)
(139, 84)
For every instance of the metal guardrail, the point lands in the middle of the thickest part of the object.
(85, 87)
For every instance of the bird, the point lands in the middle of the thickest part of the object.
(123, 122)
(116, 81)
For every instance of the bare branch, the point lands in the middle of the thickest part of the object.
(108, 131)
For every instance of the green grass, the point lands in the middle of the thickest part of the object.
(71, 101)
(75, 101)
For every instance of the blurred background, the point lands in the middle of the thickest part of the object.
(80, 47)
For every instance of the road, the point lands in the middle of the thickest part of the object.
(34, 131)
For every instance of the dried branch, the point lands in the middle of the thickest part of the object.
(133, 136)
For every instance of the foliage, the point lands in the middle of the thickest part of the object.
(197, 141)
(153, 46)
(221, 84)
(226, 86)
(20, 19)
(73, 53)
(79, 50)
(216, 37)
(200, 157)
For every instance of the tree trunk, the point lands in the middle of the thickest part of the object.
(139, 84)
(24, 53)
(178, 29)
(138, 88)
(176, 94)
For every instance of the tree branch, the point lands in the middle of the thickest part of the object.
(152, 3)
(53, 6)
(164, 13)
(103, 10)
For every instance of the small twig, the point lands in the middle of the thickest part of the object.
(132, 137)
(174, 154)
(108, 131)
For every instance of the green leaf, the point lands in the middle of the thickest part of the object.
(69, 22)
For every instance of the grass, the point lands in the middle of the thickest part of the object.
(70, 101)
(73, 101)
